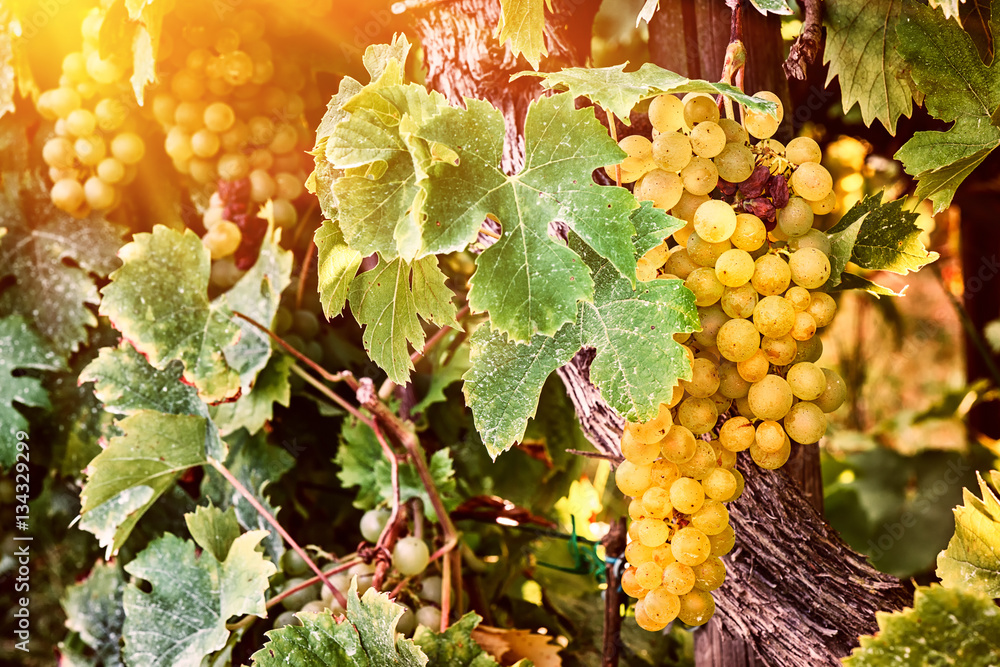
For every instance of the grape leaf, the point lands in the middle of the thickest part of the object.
(779, 7)
(454, 647)
(255, 464)
(137, 467)
(385, 159)
(126, 384)
(254, 409)
(877, 236)
(849, 281)
(23, 349)
(522, 23)
(183, 618)
(213, 529)
(972, 559)
(257, 295)
(945, 626)
(861, 51)
(636, 365)
(649, 8)
(386, 304)
(158, 300)
(367, 639)
(336, 266)
(53, 258)
(618, 91)
(960, 88)
(652, 227)
(529, 282)
(364, 465)
(93, 609)
(149, 15)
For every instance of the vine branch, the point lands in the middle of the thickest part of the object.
(807, 45)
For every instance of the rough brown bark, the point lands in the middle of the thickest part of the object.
(795, 593)
(463, 58)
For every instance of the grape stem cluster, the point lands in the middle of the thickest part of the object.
(379, 417)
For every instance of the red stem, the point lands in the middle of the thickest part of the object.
(277, 526)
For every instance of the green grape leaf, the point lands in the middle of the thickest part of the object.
(53, 259)
(616, 90)
(336, 266)
(386, 301)
(257, 295)
(522, 23)
(136, 468)
(945, 626)
(652, 227)
(213, 529)
(183, 618)
(384, 160)
(364, 465)
(649, 8)
(158, 300)
(454, 647)
(367, 639)
(254, 409)
(126, 384)
(972, 559)
(447, 367)
(779, 7)
(636, 365)
(861, 51)
(877, 235)
(945, 64)
(256, 464)
(528, 281)
(93, 609)
(23, 349)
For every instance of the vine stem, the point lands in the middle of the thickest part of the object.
(303, 273)
(352, 560)
(387, 538)
(319, 370)
(231, 478)
(332, 395)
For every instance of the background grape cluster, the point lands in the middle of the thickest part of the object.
(757, 268)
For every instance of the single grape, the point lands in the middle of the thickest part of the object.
(666, 113)
(734, 267)
(430, 589)
(755, 368)
(630, 586)
(720, 484)
(678, 446)
(648, 575)
(407, 623)
(295, 601)
(735, 163)
(205, 143)
(661, 606)
(657, 503)
(803, 149)
(825, 205)
(770, 398)
(710, 574)
(373, 523)
(715, 221)
(687, 495)
(700, 176)
(805, 423)
(811, 181)
(771, 275)
(652, 532)
(738, 301)
(429, 617)
(809, 268)
(699, 108)
(806, 380)
(731, 385)
(762, 125)
(690, 546)
(293, 564)
(804, 328)
(662, 188)
(100, 195)
(672, 151)
(834, 394)
(773, 316)
(706, 253)
(632, 479)
(738, 339)
(58, 152)
(770, 436)
(779, 351)
(707, 139)
(713, 516)
(68, 195)
(222, 239)
(822, 308)
(90, 150)
(698, 414)
(678, 578)
(81, 123)
(410, 556)
(796, 219)
(704, 282)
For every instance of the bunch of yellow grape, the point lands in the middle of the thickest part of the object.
(233, 118)
(757, 268)
(94, 149)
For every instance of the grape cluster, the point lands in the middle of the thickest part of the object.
(757, 268)
(410, 558)
(95, 148)
(234, 124)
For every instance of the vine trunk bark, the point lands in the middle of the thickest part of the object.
(796, 593)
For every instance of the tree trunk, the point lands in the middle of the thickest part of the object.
(796, 593)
